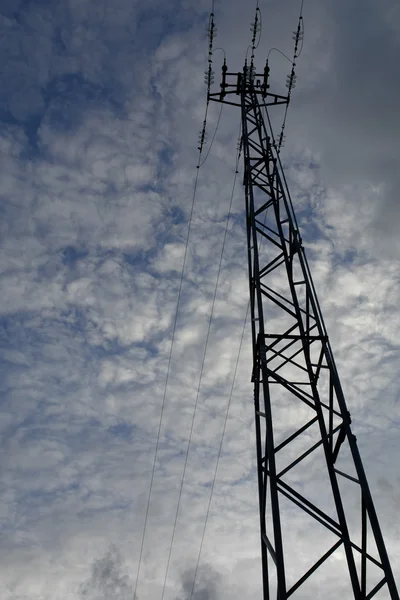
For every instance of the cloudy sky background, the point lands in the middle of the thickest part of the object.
(101, 104)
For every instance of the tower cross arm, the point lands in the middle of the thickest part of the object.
(247, 81)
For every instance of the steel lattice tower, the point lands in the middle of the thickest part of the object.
(294, 373)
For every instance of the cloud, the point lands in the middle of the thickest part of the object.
(205, 587)
(101, 107)
(108, 579)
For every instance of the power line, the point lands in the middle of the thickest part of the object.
(260, 243)
(220, 450)
(200, 379)
(167, 376)
(202, 136)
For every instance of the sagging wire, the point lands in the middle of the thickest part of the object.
(260, 243)
(280, 52)
(209, 72)
(200, 381)
(298, 36)
(174, 328)
(238, 156)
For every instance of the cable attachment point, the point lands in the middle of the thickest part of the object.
(255, 27)
(248, 73)
(211, 34)
(223, 83)
(298, 36)
(239, 152)
(209, 76)
(211, 29)
(265, 84)
(202, 138)
(281, 141)
(291, 80)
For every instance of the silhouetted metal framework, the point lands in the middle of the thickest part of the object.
(307, 456)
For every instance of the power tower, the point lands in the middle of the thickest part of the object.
(296, 382)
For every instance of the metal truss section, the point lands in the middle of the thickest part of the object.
(317, 518)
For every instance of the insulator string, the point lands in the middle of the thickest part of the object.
(298, 36)
(209, 77)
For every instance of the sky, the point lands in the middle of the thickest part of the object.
(101, 106)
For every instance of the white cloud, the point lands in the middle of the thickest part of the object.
(101, 110)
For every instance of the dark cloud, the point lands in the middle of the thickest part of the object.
(348, 112)
(108, 579)
(204, 587)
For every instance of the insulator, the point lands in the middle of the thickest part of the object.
(255, 27)
(250, 73)
(209, 77)
(291, 80)
(211, 32)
